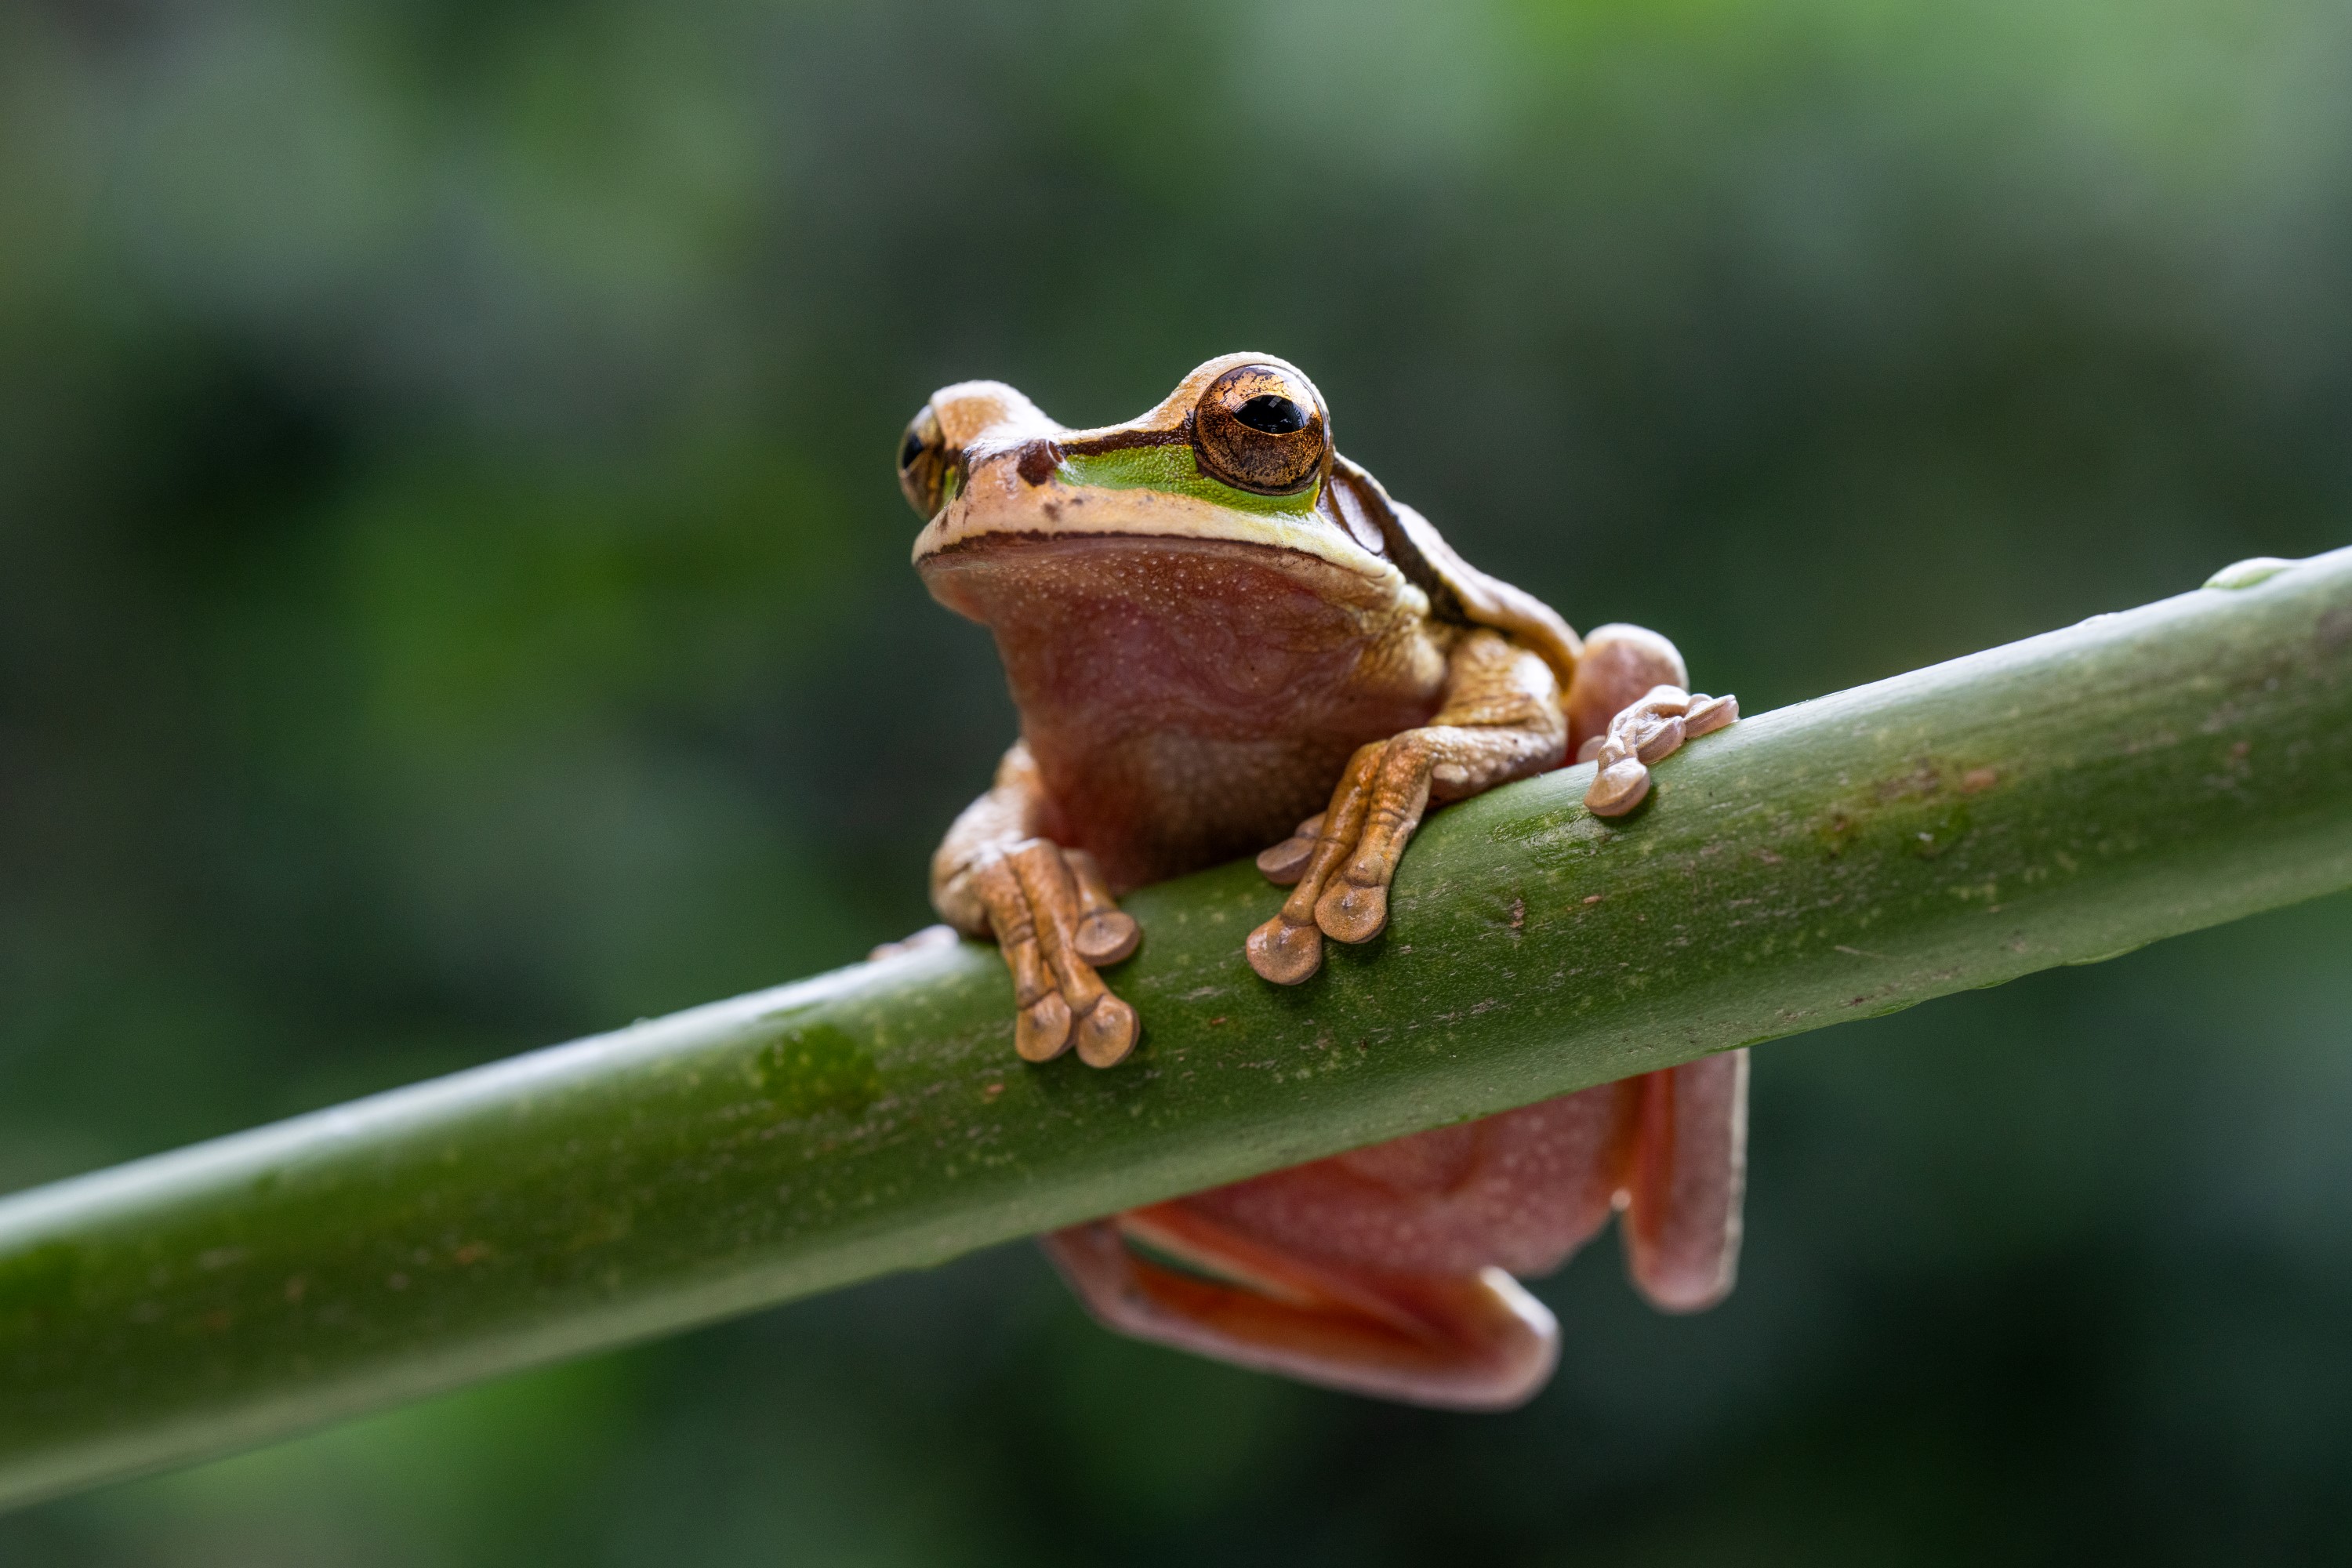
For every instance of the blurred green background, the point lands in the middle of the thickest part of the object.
(453, 597)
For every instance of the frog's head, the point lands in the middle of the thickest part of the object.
(1239, 454)
(1227, 498)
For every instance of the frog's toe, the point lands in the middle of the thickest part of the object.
(1348, 912)
(1103, 933)
(1659, 740)
(1708, 714)
(1286, 862)
(1107, 936)
(1284, 952)
(1106, 1034)
(1618, 787)
(1043, 1030)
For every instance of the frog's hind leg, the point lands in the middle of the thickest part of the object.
(1628, 708)
(1620, 664)
(1176, 1278)
(1684, 1182)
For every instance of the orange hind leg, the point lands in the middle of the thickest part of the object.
(1690, 1172)
(1479, 1342)
(1323, 1276)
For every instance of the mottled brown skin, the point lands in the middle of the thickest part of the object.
(1198, 671)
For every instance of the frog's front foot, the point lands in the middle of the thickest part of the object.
(1338, 864)
(1056, 921)
(1502, 719)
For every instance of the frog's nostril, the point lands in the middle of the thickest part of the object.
(1038, 461)
(1272, 413)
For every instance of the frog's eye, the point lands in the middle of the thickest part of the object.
(1261, 428)
(924, 462)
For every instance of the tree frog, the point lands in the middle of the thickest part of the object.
(1222, 635)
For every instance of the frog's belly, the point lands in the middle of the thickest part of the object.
(1187, 703)
(1157, 806)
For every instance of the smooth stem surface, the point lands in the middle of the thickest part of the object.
(2057, 801)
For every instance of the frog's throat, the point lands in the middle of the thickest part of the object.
(1058, 511)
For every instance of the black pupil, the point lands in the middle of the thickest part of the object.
(1272, 413)
(911, 450)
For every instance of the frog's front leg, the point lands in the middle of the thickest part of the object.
(1502, 721)
(1050, 911)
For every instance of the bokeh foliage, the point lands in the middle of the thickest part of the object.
(452, 598)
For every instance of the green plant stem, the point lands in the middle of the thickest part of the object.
(2057, 801)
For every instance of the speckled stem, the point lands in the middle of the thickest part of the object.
(2058, 801)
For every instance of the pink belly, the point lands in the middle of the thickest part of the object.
(1187, 705)
(1521, 1191)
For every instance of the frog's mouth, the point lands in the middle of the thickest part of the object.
(1252, 588)
(1003, 501)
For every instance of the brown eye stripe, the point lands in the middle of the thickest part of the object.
(1127, 440)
